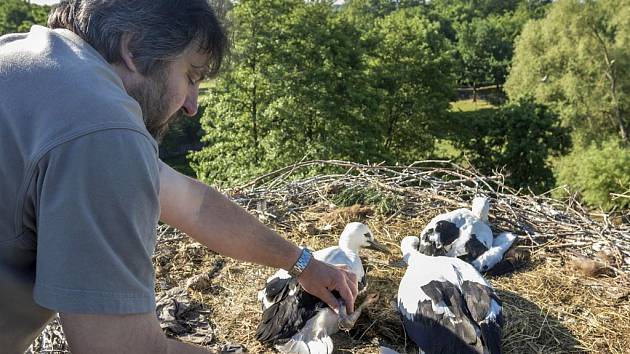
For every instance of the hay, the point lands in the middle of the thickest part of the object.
(549, 305)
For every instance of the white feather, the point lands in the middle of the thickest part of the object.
(494, 255)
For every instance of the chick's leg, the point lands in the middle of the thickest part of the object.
(346, 322)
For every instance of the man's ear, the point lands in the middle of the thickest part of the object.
(126, 54)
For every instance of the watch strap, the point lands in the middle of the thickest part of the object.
(301, 263)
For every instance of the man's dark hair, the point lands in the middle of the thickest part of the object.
(160, 30)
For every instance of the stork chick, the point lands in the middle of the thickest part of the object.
(295, 321)
(446, 305)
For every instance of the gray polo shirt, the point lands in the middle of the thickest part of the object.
(79, 187)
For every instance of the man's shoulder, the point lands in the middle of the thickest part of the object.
(59, 86)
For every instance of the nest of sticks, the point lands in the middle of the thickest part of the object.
(570, 292)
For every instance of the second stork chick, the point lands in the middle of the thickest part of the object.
(466, 234)
(446, 305)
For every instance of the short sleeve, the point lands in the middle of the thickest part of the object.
(97, 211)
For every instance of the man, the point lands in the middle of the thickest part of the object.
(81, 184)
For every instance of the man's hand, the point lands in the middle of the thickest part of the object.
(320, 279)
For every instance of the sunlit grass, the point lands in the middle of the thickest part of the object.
(204, 85)
(385, 202)
(469, 105)
(445, 150)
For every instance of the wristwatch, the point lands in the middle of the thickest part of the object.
(301, 263)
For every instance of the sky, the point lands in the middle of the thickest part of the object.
(50, 2)
(44, 2)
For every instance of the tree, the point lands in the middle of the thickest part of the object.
(596, 172)
(294, 89)
(476, 41)
(233, 119)
(483, 32)
(411, 69)
(518, 138)
(19, 16)
(577, 60)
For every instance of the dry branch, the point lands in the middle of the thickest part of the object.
(444, 185)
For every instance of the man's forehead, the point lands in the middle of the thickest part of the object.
(195, 57)
(199, 59)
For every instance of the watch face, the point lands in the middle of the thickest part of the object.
(301, 263)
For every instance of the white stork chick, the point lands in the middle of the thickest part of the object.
(465, 234)
(298, 322)
(446, 305)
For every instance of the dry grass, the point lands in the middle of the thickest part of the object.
(549, 306)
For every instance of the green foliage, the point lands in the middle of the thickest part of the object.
(577, 61)
(596, 171)
(180, 164)
(19, 15)
(385, 203)
(485, 47)
(362, 14)
(300, 85)
(294, 90)
(483, 33)
(411, 70)
(465, 11)
(184, 134)
(518, 138)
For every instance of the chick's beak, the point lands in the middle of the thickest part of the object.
(375, 245)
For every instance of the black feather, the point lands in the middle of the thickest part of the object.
(448, 232)
(491, 335)
(289, 312)
(426, 325)
(474, 248)
(478, 298)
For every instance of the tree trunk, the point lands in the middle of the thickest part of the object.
(391, 121)
(623, 131)
(611, 75)
(254, 111)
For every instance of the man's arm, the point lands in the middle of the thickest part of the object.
(123, 334)
(212, 219)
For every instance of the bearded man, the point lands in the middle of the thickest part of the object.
(83, 104)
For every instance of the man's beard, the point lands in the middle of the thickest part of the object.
(152, 95)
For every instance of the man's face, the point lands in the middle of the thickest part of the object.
(171, 91)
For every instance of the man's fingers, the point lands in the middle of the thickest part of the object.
(330, 300)
(351, 279)
(338, 277)
(348, 288)
(346, 295)
(352, 276)
(352, 284)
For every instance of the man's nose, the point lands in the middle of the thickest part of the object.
(190, 104)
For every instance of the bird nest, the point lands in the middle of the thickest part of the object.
(571, 295)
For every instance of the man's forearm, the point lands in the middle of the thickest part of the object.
(228, 229)
(223, 226)
(212, 219)
(175, 347)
